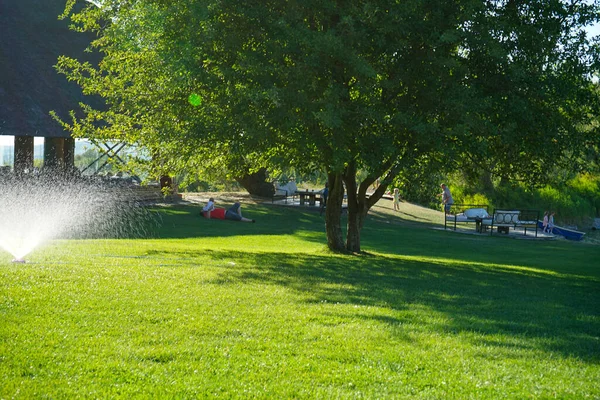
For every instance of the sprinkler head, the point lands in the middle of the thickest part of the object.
(19, 260)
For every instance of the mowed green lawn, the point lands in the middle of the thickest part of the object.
(220, 309)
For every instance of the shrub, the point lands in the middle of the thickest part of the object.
(587, 186)
(477, 198)
(575, 202)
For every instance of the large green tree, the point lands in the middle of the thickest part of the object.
(344, 86)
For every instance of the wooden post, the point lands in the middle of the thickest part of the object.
(23, 157)
(69, 154)
(54, 152)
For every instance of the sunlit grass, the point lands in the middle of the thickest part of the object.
(233, 310)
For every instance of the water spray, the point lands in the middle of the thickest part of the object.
(37, 209)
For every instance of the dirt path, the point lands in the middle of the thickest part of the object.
(223, 197)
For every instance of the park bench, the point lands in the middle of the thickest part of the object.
(283, 192)
(505, 219)
(467, 214)
(279, 194)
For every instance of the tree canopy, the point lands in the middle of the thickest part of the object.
(379, 86)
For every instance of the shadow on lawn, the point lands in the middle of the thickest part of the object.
(548, 311)
(388, 238)
(185, 221)
(486, 285)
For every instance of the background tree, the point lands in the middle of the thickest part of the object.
(530, 66)
(376, 86)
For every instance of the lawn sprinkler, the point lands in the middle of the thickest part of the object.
(19, 261)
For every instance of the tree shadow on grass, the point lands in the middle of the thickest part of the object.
(185, 221)
(546, 310)
(533, 290)
(557, 257)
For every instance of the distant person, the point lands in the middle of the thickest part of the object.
(545, 222)
(324, 195)
(396, 199)
(447, 200)
(208, 208)
(551, 222)
(233, 213)
(376, 184)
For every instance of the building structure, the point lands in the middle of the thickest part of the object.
(32, 37)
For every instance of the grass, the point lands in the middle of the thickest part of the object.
(221, 309)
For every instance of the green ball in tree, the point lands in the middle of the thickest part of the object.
(195, 99)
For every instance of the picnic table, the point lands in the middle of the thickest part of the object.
(311, 196)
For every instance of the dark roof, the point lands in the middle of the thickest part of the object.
(31, 39)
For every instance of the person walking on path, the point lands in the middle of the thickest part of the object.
(551, 222)
(545, 222)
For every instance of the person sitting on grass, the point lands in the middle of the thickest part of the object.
(234, 213)
(208, 208)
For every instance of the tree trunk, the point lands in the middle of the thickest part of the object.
(354, 210)
(256, 183)
(357, 208)
(355, 224)
(487, 184)
(359, 203)
(333, 213)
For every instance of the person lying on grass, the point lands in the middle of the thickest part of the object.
(234, 213)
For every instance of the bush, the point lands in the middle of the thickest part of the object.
(574, 203)
(420, 188)
(587, 186)
(477, 199)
